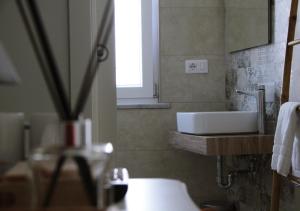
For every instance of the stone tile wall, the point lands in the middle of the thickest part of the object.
(245, 69)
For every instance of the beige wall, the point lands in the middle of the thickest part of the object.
(188, 30)
(105, 106)
(101, 107)
(31, 95)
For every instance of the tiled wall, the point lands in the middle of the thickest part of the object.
(189, 29)
(245, 69)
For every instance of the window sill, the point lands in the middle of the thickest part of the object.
(141, 104)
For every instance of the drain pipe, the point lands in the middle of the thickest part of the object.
(220, 177)
(226, 182)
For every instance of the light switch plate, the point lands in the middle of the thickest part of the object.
(196, 66)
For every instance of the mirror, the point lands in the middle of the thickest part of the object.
(247, 24)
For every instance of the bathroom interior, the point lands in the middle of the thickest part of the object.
(240, 45)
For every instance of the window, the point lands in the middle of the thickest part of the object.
(136, 41)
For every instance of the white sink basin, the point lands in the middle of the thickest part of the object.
(222, 122)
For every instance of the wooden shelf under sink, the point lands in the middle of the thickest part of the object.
(241, 144)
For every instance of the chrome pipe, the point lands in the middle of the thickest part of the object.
(220, 177)
(260, 100)
(259, 94)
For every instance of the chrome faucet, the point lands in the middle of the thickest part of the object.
(259, 94)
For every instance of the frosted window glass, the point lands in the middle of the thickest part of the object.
(128, 38)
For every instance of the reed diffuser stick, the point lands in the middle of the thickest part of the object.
(42, 61)
(53, 181)
(53, 68)
(93, 64)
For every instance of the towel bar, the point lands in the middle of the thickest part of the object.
(294, 42)
(293, 179)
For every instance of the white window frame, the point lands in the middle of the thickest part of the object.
(150, 55)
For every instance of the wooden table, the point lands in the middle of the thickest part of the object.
(142, 195)
(52, 209)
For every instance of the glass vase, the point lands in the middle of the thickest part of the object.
(66, 175)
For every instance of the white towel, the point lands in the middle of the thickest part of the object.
(284, 139)
(296, 152)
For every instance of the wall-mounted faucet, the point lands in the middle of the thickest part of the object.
(260, 102)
